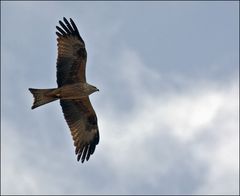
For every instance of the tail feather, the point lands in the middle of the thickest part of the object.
(41, 97)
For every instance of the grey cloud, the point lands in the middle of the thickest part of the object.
(167, 106)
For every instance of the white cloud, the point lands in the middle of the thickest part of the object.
(199, 112)
(186, 118)
(134, 71)
(221, 153)
(179, 142)
(129, 147)
(142, 150)
(12, 156)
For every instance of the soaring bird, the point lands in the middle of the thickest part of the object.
(73, 90)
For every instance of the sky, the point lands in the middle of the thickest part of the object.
(168, 105)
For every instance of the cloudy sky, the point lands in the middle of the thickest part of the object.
(167, 108)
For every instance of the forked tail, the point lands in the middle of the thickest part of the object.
(41, 96)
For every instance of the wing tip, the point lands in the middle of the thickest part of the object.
(85, 153)
(70, 29)
(59, 34)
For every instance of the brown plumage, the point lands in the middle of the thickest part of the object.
(73, 90)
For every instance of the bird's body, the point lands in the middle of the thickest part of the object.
(73, 90)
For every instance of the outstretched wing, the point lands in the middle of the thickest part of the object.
(72, 54)
(82, 121)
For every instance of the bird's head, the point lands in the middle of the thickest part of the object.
(95, 88)
(91, 89)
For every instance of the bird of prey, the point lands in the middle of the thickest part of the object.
(73, 90)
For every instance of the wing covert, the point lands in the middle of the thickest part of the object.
(82, 121)
(72, 54)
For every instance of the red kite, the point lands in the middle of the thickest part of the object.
(73, 91)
